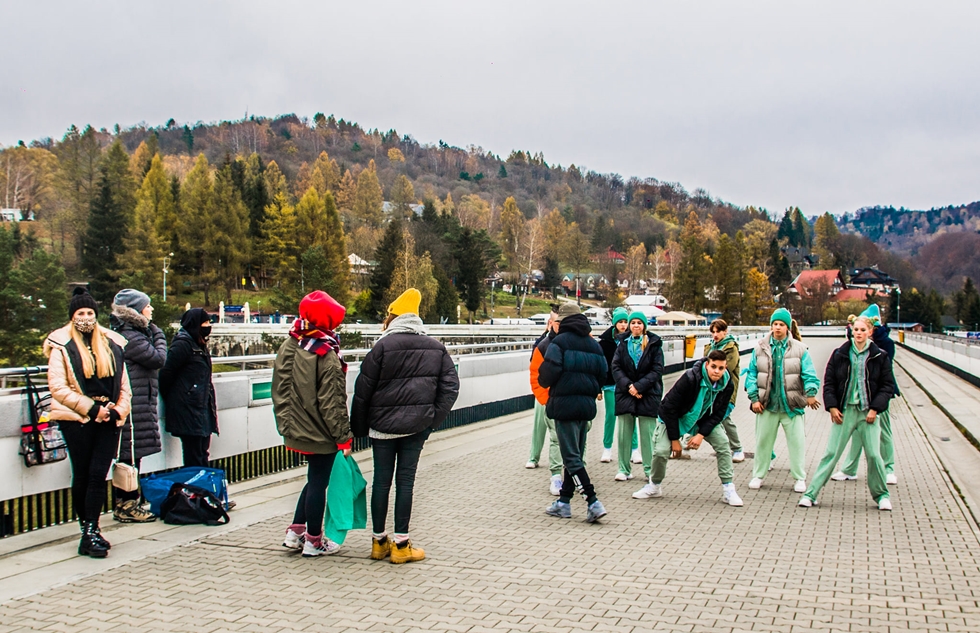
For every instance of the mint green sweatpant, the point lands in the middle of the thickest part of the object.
(717, 439)
(767, 424)
(867, 436)
(627, 426)
(887, 448)
(544, 425)
(609, 425)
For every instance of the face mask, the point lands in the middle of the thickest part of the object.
(205, 331)
(85, 325)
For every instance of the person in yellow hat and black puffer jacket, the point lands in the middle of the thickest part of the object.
(406, 388)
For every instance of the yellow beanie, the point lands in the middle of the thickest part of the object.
(407, 303)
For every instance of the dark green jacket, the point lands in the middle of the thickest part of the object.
(309, 399)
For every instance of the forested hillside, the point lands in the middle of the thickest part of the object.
(276, 206)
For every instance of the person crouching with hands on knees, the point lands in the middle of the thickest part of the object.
(857, 387)
(90, 399)
(781, 383)
(696, 405)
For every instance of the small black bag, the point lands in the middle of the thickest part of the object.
(189, 505)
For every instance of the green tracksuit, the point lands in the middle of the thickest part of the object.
(543, 425)
(627, 426)
(717, 439)
(609, 425)
(862, 434)
(887, 448)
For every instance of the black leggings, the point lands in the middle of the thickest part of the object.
(404, 451)
(195, 450)
(313, 500)
(91, 448)
(122, 495)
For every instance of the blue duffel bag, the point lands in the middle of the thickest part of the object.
(157, 486)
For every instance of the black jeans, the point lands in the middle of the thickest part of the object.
(195, 450)
(398, 459)
(313, 500)
(572, 440)
(122, 495)
(91, 448)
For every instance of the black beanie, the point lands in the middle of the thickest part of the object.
(80, 298)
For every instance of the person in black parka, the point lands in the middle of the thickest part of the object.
(405, 389)
(638, 369)
(190, 409)
(145, 354)
(573, 370)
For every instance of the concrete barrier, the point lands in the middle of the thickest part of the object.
(958, 355)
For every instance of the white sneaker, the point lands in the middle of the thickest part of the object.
(326, 546)
(649, 491)
(755, 484)
(730, 496)
(771, 466)
(555, 487)
(738, 456)
(885, 504)
(840, 475)
(606, 456)
(293, 540)
(799, 486)
(805, 502)
(636, 457)
(530, 465)
(891, 479)
(623, 477)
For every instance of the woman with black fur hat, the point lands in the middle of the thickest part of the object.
(90, 399)
(191, 412)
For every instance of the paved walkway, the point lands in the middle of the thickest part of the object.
(686, 562)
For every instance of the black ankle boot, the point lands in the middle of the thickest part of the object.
(89, 545)
(97, 536)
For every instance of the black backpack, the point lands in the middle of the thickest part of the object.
(189, 505)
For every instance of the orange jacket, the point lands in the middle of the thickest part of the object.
(537, 357)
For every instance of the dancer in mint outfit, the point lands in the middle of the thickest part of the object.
(857, 388)
(722, 340)
(695, 405)
(848, 472)
(609, 341)
(781, 382)
(638, 368)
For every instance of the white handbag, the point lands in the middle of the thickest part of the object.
(125, 476)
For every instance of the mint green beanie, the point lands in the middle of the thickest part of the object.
(619, 314)
(638, 315)
(782, 314)
(874, 313)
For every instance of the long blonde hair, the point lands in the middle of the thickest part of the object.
(99, 360)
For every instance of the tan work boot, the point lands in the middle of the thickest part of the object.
(380, 550)
(130, 512)
(405, 553)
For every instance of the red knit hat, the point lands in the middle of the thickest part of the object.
(321, 310)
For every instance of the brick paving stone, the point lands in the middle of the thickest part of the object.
(686, 562)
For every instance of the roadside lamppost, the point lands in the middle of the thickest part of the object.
(898, 306)
(166, 269)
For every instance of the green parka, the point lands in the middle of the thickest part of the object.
(309, 399)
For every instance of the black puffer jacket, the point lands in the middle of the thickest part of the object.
(609, 341)
(684, 395)
(145, 355)
(574, 368)
(407, 383)
(647, 377)
(185, 382)
(880, 380)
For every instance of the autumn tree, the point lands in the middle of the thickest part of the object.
(402, 197)
(511, 230)
(369, 197)
(529, 255)
(228, 246)
(576, 249)
(758, 298)
(636, 265)
(141, 263)
(346, 192)
(324, 175)
(278, 246)
(826, 236)
(692, 277)
(413, 271)
(730, 277)
(79, 155)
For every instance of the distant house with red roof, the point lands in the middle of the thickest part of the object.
(611, 256)
(809, 282)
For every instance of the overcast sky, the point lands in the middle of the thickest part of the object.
(829, 106)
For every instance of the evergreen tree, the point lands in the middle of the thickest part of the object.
(383, 272)
(781, 273)
(692, 277)
(229, 247)
(144, 249)
(729, 275)
(447, 300)
(32, 298)
(195, 226)
(786, 229)
(801, 229)
(472, 267)
(79, 156)
(826, 234)
(551, 273)
(103, 242)
(278, 244)
(311, 220)
(502, 172)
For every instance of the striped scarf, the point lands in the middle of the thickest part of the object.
(317, 341)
